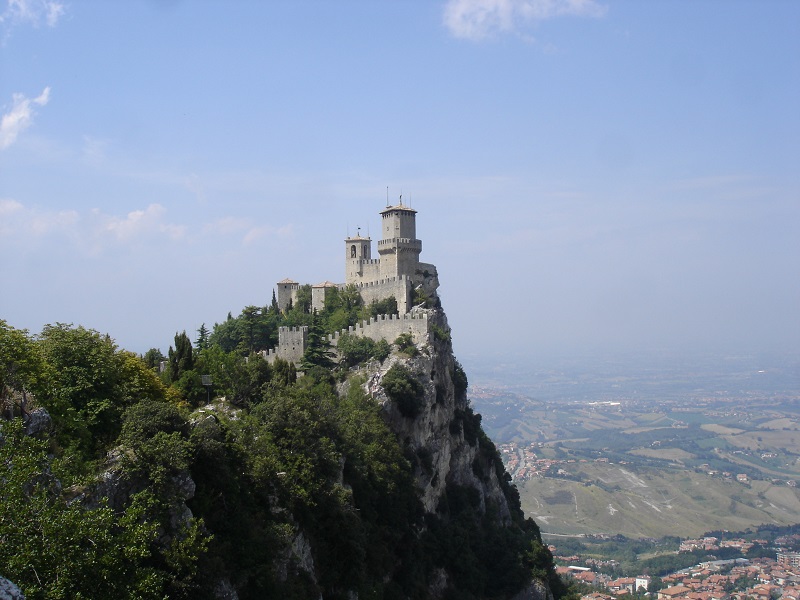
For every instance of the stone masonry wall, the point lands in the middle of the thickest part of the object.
(399, 287)
(389, 327)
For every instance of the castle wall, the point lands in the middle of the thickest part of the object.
(399, 287)
(389, 327)
(358, 270)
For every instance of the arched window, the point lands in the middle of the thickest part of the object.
(364, 254)
(353, 251)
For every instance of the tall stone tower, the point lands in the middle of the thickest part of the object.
(399, 249)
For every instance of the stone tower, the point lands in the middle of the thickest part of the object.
(359, 264)
(399, 248)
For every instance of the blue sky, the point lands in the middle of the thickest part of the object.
(589, 175)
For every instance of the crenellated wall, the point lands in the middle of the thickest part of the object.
(292, 341)
(389, 327)
(401, 287)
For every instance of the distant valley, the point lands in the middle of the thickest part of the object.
(649, 446)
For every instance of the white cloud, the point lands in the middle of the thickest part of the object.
(22, 226)
(478, 19)
(32, 12)
(139, 223)
(20, 116)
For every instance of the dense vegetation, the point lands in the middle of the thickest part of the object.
(94, 506)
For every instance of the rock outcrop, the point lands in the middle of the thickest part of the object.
(438, 434)
(9, 591)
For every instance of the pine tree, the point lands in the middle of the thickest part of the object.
(180, 359)
(318, 348)
(274, 304)
(202, 337)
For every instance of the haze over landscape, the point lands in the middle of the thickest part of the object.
(607, 176)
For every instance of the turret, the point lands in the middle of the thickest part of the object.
(399, 249)
(358, 258)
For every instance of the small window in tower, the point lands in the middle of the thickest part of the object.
(353, 251)
(365, 250)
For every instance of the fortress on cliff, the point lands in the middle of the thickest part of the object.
(396, 272)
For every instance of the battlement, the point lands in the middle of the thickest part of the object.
(378, 327)
(404, 241)
(292, 343)
(385, 281)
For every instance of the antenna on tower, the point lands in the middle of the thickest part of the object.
(387, 196)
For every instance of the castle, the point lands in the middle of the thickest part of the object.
(396, 272)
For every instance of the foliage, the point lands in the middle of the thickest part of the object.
(460, 383)
(56, 550)
(318, 349)
(202, 337)
(86, 385)
(404, 389)
(405, 344)
(356, 349)
(21, 368)
(181, 359)
(153, 358)
(440, 333)
(387, 306)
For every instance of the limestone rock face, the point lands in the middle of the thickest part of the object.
(436, 433)
(536, 590)
(9, 591)
(38, 422)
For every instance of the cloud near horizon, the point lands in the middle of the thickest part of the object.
(479, 19)
(20, 116)
(95, 231)
(22, 226)
(139, 223)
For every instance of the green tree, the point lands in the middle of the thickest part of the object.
(181, 359)
(86, 388)
(153, 358)
(405, 344)
(404, 390)
(355, 349)
(55, 550)
(202, 337)
(318, 348)
(303, 303)
(21, 368)
(274, 304)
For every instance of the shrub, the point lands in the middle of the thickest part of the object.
(404, 390)
(405, 344)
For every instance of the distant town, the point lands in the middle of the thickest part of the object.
(761, 578)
